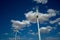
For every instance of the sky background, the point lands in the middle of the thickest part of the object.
(15, 9)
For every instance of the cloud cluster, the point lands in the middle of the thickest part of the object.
(31, 16)
(58, 23)
(41, 1)
(52, 12)
(46, 29)
(55, 21)
(18, 24)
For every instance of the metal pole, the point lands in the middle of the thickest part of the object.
(16, 36)
(16, 31)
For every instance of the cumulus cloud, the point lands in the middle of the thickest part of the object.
(41, 1)
(31, 16)
(43, 30)
(55, 21)
(46, 29)
(52, 12)
(58, 23)
(18, 24)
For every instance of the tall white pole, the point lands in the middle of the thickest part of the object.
(39, 36)
(16, 34)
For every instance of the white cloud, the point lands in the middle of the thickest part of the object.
(18, 24)
(52, 12)
(55, 21)
(43, 30)
(46, 29)
(41, 1)
(58, 23)
(31, 16)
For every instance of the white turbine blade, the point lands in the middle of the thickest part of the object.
(39, 36)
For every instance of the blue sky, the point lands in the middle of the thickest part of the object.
(16, 9)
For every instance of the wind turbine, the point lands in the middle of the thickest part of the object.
(39, 36)
(16, 31)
